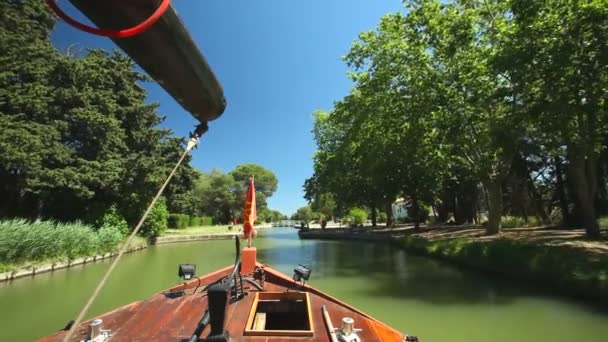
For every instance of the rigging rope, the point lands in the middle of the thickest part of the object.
(191, 144)
(124, 33)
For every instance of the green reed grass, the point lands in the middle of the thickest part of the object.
(24, 241)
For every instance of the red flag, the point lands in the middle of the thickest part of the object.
(250, 214)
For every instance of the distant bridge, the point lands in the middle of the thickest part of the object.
(286, 223)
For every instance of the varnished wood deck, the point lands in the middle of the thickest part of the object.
(167, 318)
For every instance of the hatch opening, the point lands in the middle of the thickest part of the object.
(280, 314)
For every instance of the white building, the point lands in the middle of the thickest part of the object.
(400, 208)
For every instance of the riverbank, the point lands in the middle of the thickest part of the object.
(30, 269)
(560, 260)
(203, 233)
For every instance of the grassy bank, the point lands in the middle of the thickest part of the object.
(203, 230)
(569, 265)
(217, 229)
(24, 244)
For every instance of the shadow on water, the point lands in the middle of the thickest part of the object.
(395, 273)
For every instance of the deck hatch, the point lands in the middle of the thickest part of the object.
(280, 314)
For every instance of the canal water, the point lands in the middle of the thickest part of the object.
(423, 297)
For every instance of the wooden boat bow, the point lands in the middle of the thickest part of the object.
(258, 315)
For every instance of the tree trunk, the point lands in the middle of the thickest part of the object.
(443, 211)
(533, 194)
(561, 191)
(601, 204)
(494, 195)
(374, 216)
(582, 173)
(39, 207)
(416, 212)
(388, 209)
(538, 201)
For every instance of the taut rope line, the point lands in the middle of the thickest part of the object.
(191, 144)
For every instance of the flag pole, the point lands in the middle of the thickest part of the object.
(249, 238)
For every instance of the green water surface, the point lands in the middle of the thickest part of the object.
(423, 297)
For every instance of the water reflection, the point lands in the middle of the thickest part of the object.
(392, 272)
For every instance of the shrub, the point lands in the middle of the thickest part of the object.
(556, 217)
(317, 216)
(603, 221)
(112, 218)
(172, 221)
(206, 220)
(178, 221)
(423, 214)
(519, 222)
(403, 220)
(382, 217)
(195, 221)
(156, 223)
(357, 215)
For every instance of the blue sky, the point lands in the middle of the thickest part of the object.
(278, 61)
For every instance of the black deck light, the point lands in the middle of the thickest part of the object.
(186, 271)
(301, 273)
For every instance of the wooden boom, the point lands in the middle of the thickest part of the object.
(165, 51)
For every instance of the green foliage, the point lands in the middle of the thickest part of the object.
(112, 218)
(382, 217)
(450, 95)
(402, 220)
(423, 213)
(195, 221)
(265, 184)
(183, 221)
(156, 223)
(206, 221)
(180, 193)
(303, 214)
(267, 215)
(275, 216)
(317, 216)
(216, 197)
(519, 222)
(22, 241)
(109, 238)
(562, 81)
(222, 196)
(265, 181)
(603, 221)
(77, 133)
(324, 204)
(178, 221)
(357, 215)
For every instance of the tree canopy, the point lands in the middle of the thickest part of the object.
(222, 195)
(473, 106)
(77, 133)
